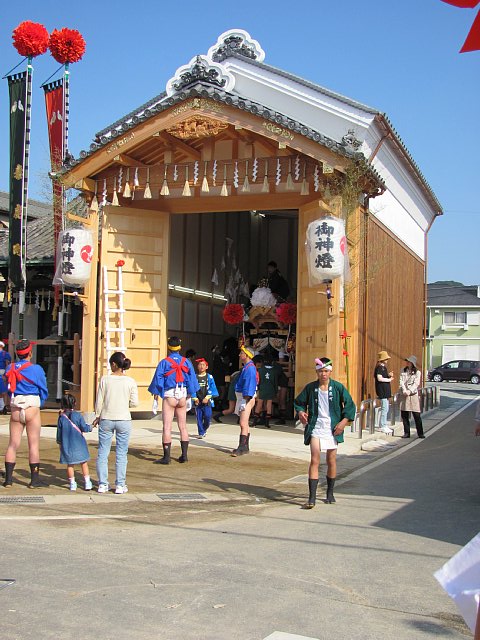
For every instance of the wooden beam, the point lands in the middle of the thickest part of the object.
(86, 184)
(127, 161)
(180, 145)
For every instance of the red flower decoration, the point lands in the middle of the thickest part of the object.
(287, 313)
(233, 313)
(67, 45)
(120, 263)
(345, 353)
(30, 39)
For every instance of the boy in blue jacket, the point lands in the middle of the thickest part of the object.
(245, 389)
(204, 398)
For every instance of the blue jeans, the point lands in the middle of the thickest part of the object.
(106, 429)
(383, 412)
(204, 417)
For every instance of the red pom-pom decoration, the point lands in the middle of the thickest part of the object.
(120, 263)
(67, 45)
(233, 313)
(30, 39)
(287, 313)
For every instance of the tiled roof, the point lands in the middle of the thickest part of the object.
(36, 209)
(204, 90)
(40, 248)
(452, 295)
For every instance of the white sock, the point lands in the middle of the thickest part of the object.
(86, 478)
(72, 480)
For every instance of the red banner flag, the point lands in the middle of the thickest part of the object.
(472, 43)
(55, 104)
(463, 4)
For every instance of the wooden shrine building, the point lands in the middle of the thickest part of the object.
(200, 187)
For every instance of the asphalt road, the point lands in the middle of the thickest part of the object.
(359, 569)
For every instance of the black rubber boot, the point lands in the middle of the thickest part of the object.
(218, 417)
(35, 482)
(166, 454)
(242, 447)
(9, 467)
(330, 484)
(184, 456)
(248, 444)
(268, 417)
(312, 493)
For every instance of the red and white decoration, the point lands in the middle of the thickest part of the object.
(74, 257)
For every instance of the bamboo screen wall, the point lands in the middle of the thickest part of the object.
(395, 304)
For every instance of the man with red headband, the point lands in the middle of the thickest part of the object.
(175, 382)
(245, 389)
(204, 397)
(324, 407)
(27, 386)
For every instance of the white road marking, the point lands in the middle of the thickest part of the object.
(280, 635)
(72, 517)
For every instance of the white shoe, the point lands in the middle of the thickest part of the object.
(121, 489)
(387, 430)
(88, 485)
(103, 488)
(73, 486)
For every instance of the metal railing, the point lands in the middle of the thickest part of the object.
(366, 417)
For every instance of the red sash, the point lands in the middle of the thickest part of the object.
(14, 375)
(178, 368)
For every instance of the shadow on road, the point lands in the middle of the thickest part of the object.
(439, 477)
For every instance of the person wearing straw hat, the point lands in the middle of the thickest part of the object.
(410, 381)
(245, 390)
(28, 390)
(383, 388)
(324, 408)
(175, 382)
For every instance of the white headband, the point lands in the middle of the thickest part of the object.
(323, 365)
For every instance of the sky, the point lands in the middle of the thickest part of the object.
(400, 57)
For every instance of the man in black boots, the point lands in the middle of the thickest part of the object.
(324, 407)
(27, 387)
(245, 389)
(175, 382)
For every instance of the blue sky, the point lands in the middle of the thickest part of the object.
(399, 57)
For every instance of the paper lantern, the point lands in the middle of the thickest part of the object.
(74, 257)
(325, 245)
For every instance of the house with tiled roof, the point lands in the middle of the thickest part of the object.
(453, 322)
(221, 172)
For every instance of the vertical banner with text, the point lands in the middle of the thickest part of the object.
(17, 85)
(55, 106)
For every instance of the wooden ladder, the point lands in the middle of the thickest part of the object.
(118, 309)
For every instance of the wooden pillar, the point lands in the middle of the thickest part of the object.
(89, 330)
(318, 319)
(76, 361)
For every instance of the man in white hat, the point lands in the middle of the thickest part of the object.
(383, 389)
